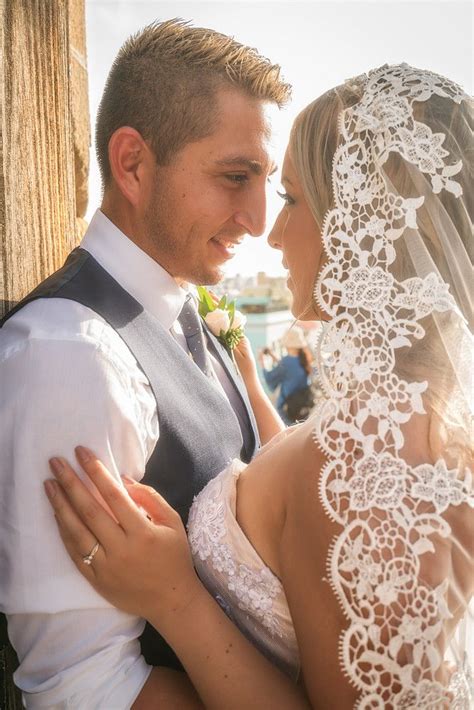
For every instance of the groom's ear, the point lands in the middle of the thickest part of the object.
(131, 163)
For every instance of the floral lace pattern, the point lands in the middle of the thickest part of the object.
(253, 588)
(388, 511)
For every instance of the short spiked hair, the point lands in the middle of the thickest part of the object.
(164, 81)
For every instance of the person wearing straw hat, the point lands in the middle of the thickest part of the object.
(291, 374)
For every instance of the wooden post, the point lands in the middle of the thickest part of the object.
(44, 162)
(44, 140)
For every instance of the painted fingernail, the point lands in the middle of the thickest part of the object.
(51, 488)
(84, 455)
(56, 466)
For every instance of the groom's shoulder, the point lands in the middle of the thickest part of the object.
(59, 340)
(52, 318)
(58, 325)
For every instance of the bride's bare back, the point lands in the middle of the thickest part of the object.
(280, 512)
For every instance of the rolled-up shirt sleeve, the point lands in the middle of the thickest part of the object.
(75, 649)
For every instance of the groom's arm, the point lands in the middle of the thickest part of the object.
(75, 650)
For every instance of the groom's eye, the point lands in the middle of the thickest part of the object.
(237, 178)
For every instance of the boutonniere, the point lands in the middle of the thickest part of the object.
(222, 318)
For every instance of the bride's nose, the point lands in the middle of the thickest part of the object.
(274, 238)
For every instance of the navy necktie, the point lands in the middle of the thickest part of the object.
(192, 330)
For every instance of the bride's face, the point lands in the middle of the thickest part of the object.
(296, 233)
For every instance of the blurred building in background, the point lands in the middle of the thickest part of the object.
(266, 301)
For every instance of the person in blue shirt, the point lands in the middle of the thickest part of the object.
(291, 374)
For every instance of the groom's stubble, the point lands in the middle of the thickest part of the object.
(166, 238)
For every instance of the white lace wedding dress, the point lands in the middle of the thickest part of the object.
(234, 573)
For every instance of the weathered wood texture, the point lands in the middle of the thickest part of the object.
(44, 163)
(44, 139)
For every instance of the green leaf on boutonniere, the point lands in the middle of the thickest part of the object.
(206, 304)
(202, 309)
(231, 338)
(231, 311)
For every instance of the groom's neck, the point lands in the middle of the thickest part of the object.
(124, 218)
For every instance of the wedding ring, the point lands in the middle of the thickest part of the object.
(87, 559)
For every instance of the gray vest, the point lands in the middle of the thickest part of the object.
(199, 431)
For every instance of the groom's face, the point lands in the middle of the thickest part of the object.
(213, 192)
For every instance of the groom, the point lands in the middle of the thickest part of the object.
(109, 351)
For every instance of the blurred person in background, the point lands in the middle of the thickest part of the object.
(292, 374)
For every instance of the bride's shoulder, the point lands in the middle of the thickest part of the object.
(306, 456)
(286, 473)
(303, 504)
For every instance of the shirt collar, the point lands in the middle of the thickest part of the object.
(144, 279)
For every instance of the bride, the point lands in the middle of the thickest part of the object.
(336, 569)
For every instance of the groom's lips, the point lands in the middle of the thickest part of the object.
(225, 247)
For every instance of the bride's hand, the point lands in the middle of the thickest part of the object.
(245, 361)
(143, 564)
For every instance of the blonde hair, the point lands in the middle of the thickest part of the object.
(313, 143)
(164, 81)
(315, 137)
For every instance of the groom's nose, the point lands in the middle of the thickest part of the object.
(253, 212)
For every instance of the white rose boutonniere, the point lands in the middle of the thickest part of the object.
(222, 318)
(218, 321)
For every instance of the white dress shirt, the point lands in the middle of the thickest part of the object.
(67, 378)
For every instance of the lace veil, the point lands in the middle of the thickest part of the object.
(395, 364)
